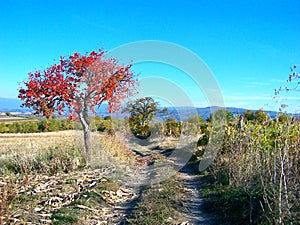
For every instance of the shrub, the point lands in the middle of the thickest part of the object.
(173, 128)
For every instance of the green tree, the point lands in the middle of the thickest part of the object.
(104, 125)
(29, 127)
(44, 125)
(54, 125)
(66, 125)
(249, 115)
(205, 132)
(261, 116)
(107, 118)
(283, 117)
(141, 113)
(14, 128)
(220, 115)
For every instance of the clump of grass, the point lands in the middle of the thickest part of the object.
(65, 216)
(48, 161)
(158, 204)
(115, 146)
(7, 195)
(110, 152)
(232, 204)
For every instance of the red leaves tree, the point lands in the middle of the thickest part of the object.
(78, 82)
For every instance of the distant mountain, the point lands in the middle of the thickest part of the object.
(179, 113)
(183, 113)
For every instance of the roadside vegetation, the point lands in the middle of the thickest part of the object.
(255, 177)
(39, 125)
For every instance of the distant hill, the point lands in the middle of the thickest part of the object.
(180, 113)
(183, 113)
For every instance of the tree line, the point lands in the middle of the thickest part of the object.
(43, 125)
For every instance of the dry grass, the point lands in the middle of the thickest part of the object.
(27, 152)
(35, 141)
(259, 166)
(53, 154)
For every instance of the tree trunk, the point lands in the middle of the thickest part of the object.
(84, 120)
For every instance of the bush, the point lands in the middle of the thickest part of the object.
(3, 128)
(29, 127)
(173, 128)
(104, 125)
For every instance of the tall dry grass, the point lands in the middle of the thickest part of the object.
(39, 153)
(60, 151)
(262, 160)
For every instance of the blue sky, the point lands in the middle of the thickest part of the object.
(248, 45)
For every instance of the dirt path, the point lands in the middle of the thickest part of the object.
(194, 202)
(136, 182)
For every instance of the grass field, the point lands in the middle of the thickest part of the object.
(35, 141)
(28, 152)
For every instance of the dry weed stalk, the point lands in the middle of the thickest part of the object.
(263, 160)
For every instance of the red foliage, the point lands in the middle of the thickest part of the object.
(79, 82)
